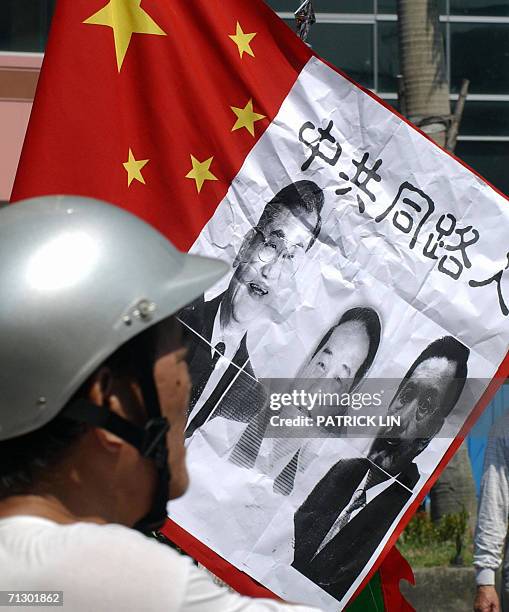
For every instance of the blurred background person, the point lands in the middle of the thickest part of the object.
(490, 539)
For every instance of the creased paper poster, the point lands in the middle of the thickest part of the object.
(360, 253)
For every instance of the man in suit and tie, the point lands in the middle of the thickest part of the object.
(263, 268)
(339, 362)
(345, 517)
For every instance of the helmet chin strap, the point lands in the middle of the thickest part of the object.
(150, 441)
(157, 449)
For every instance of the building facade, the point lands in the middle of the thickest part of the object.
(361, 38)
(24, 26)
(358, 36)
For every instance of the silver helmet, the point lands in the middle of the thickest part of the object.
(79, 278)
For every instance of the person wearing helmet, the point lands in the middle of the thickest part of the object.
(94, 392)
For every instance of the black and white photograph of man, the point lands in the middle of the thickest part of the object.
(346, 351)
(337, 365)
(343, 520)
(264, 269)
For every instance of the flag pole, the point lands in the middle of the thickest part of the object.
(305, 18)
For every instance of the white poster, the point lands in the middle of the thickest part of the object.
(360, 253)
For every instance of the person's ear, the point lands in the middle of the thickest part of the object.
(101, 387)
(242, 255)
(101, 394)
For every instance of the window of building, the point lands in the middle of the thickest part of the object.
(480, 53)
(490, 159)
(389, 6)
(488, 117)
(24, 24)
(480, 7)
(388, 56)
(325, 6)
(349, 46)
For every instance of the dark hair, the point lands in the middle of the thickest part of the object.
(23, 459)
(297, 197)
(452, 350)
(370, 319)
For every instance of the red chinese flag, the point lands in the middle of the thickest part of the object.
(154, 106)
(153, 85)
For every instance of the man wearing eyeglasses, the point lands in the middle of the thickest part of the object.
(264, 277)
(348, 513)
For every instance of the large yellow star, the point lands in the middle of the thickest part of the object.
(201, 172)
(133, 168)
(246, 117)
(125, 17)
(242, 41)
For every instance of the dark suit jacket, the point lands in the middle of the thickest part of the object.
(339, 563)
(240, 402)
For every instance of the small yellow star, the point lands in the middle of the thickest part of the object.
(246, 117)
(242, 41)
(133, 168)
(125, 17)
(201, 172)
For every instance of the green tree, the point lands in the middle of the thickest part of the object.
(424, 99)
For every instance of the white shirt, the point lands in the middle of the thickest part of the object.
(110, 568)
(493, 511)
(370, 495)
(231, 336)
